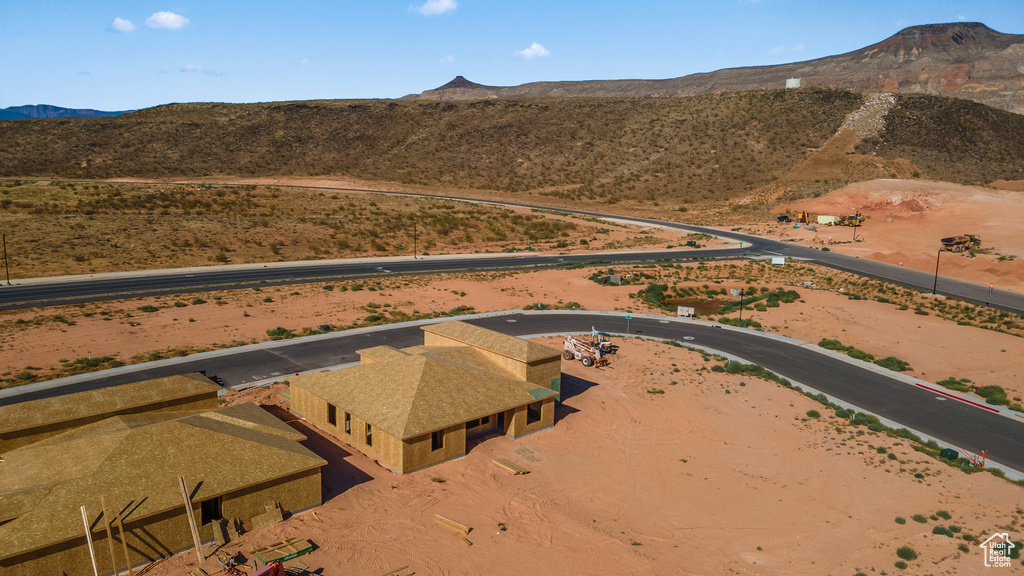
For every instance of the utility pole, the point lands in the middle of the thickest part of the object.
(414, 250)
(741, 307)
(6, 266)
(936, 283)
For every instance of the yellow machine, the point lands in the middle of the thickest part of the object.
(803, 218)
(855, 220)
(961, 243)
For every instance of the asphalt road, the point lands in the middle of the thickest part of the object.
(227, 277)
(945, 419)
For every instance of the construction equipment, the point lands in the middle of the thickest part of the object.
(603, 341)
(803, 218)
(854, 220)
(583, 351)
(784, 219)
(961, 243)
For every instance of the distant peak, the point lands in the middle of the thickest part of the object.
(460, 82)
(950, 36)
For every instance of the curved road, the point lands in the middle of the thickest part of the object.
(864, 386)
(74, 290)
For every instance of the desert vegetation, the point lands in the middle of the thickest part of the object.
(939, 134)
(68, 228)
(673, 150)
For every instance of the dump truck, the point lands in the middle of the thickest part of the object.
(961, 243)
(854, 220)
(584, 351)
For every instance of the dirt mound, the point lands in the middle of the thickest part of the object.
(906, 219)
(836, 161)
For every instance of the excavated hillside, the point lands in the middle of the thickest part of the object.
(672, 150)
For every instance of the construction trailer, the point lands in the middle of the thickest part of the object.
(827, 220)
(415, 407)
(961, 243)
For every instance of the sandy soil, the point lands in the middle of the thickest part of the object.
(922, 212)
(649, 471)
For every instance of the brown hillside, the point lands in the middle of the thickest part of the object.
(963, 59)
(678, 149)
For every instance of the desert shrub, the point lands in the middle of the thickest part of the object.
(994, 395)
(919, 518)
(906, 553)
(198, 301)
(893, 363)
(942, 530)
(899, 563)
(280, 333)
(148, 308)
(955, 384)
(813, 414)
(180, 304)
(842, 413)
(944, 515)
(901, 520)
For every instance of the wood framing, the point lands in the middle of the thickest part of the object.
(26, 422)
(239, 458)
(416, 407)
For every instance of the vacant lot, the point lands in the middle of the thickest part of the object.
(65, 228)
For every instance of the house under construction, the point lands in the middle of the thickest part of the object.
(416, 407)
(237, 462)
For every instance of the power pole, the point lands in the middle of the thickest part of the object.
(414, 250)
(6, 266)
(741, 308)
(936, 283)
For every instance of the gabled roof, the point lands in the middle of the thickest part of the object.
(103, 401)
(135, 464)
(509, 346)
(410, 395)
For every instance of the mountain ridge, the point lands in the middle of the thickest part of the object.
(964, 59)
(51, 111)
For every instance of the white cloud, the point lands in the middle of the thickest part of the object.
(799, 47)
(446, 59)
(122, 25)
(777, 50)
(167, 21)
(435, 7)
(302, 61)
(534, 51)
(201, 69)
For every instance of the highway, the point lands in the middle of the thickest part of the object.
(116, 286)
(949, 421)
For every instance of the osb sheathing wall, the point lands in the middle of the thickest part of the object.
(540, 372)
(18, 438)
(417, 451)
(518, 425)
(386, 448)
(162, 534)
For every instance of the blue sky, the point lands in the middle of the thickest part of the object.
(127, 54)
